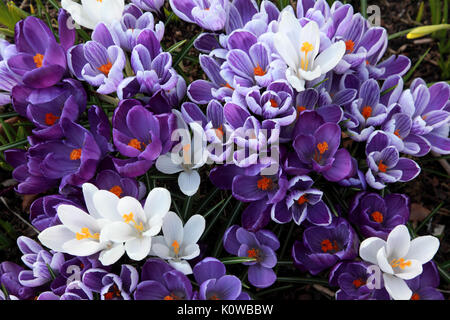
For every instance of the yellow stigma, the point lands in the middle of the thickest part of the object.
(130, 218)
(306, 48)
(400, 263)
(176, 247)
(86, 234)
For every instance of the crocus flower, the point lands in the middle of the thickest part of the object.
(399, 258)
(302, 202)
(214, 284)
(208, 14)
(260, 246)
(141, 136)
(132, 224)
(149, 5)
(385, 165)
(89, 13)
(424, 287)
(76, 290)
(40, 61)
(351, 278)
(159, 281)
(376, 216)
(179, 243)
(8, 78)
(323, 246)
(9, 280)
(112, 181)
(304, 64)
(111, 286)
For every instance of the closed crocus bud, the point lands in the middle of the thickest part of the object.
(90, 12)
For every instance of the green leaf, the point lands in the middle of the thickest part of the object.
(303, 280)
(413, 69)
(176, 46)
(364, 8)
(9, 131)
(426, 30)
(19, 143)
(184, 51)
(432, 213)
(420, 12)
(236, 260)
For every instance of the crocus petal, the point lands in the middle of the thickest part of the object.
(369, 248)
(189, 181)
(396, 287)
(423, 248)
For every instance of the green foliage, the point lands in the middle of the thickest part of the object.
(10, 14)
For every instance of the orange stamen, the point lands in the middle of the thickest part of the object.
(273, 103)
(377, 216)
(397, 133)
(253, 253)
(322, 147)
(328, 246)
(415, 296)
(106, 68)
(265, 183)
(382, 167)
(219, 132)
(135, 143)
(358, 283)
(117, 190)
(50, 119)
(38, 60)
(258, 71)
(227, 85)
(172, 296)
(302, 200)
(400, 263)
(349, 46)
(366, 112)
(75, 154)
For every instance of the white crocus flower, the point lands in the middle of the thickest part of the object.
(399, 258)
(91, 12)
(179, 244)
(135, 225)
(80, 233)
(186, 157)
(299, 47)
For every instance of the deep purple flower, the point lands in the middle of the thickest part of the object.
(355, 178)
(375, 216)
(323, 246)
(210, 275)
(109, 285)
(149, 5)
(302, 202)
(9, 279)
(424, 286)
(208, 14)
(76, 290)
(159, 281)
(351, 278)
(41, 61)
(261, 246)
(385, 164)
(141, 136)
(112, 181)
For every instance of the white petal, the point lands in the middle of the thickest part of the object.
(105, 203)
(311, 34)
(193, 229)
(157, 203)
(409, 271)
(88, 193)
(78, 14)
(297, 83)
(138, 248)
(310, 75)
(160, 248)
(54, 237)
(396, 287)
(423, 248)
(82, 248)
(189, 181)
(330, 57)
(190, 252)
(75, 219)
(172, 229)
(165, 165)
(383, 262)
(369, 248)
(398, 242)
(286, 50)
(181, 265)
(110, 256)
(290, 26)
(118, 232)
(128, 205)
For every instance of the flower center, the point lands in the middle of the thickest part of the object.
(75, 154)
(253, 253)
(415, 296)
(258, 71)
(397, 133)
(400, 263)
(366, 112)
(106, 68)
(302, 200)
(38, 60)
(135, 143)
(214, 297)
(381, 166)
(273, 103)
(306, 48)
(327, 245)
(321, 147)
(130, 218)
(219, 132)
(86, 234)
(227, 85)
(117, 190)
(358, 283)
(377, 216)
(110, 294)
(176, 247)
(265, 183)
(349, 46)
(172, 296)
(50, 119)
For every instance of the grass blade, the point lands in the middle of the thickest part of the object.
(432, 213)
(413, 69)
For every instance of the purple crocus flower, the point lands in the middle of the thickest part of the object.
(74, 159)
(100, 128)
(210, 275)
(109, 285)
(76, 290)
(424, 286)
(159, 281)
(9, 279)
(355, 178)
(302, 202)
(261, 246)
(323, 246)
(351, 278)
(375, 216)
(41, 61)
(316, 147)
(44, 265)
(43, 210)
(149, 5)
(8, 79)
(208, 14)
(46, 107)
(153, 68)
(141, 136)
(112, 181)
(385, 165)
